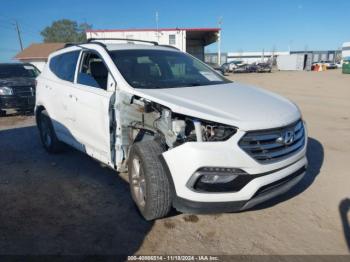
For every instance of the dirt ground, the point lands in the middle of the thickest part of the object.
(70, 204)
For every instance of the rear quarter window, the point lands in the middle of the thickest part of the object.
(63, 65)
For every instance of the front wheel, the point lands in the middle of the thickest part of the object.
(149, 184)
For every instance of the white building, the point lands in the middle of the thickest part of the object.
(346, 50)
(190, 40)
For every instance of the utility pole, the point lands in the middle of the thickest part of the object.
(19, 35)
(157, 21)
(219, 40)
(290, 46)
(263, 55)
(273, 55)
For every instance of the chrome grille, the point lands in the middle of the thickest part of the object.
(271, 145)
(23, 90)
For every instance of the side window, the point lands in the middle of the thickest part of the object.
(33, 71)
(172, 40)
(63, 66)
(92, 72)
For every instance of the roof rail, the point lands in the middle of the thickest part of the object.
(120, 39)
(71, 44)
(170, 46)
(97, 43)
(81, 43)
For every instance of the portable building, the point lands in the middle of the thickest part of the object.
(346, 50)
(295, 62)
(190, 40)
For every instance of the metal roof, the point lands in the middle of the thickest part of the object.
(208, 29)
(38, 51)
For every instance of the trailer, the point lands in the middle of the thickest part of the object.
(293, 62)
(345, 50)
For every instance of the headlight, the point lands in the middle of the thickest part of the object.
(6, 91)
(201, 130)
(217, 132)
(206, 131)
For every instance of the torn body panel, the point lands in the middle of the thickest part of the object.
(143, 119)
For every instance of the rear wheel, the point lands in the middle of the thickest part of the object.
(47, 134)
(149, 184)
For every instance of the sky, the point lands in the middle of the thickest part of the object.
(246, 25)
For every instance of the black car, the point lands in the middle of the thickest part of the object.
(245, 68)
(225, 68)
(220, 69)
(17, 87)
(264, 68)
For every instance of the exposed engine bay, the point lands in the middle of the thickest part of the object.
(145, 119)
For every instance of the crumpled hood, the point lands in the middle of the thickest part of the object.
(236, 104)
(17, 81)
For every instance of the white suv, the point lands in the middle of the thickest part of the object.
(188, 137)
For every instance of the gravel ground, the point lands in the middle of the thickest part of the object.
(70, 204)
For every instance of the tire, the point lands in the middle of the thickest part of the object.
(47, 134)
(149, 184)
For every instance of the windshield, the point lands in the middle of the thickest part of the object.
(163, 69)
(15, 70)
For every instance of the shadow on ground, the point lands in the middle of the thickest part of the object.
(344, 209)
(315, 156)
(62, 204)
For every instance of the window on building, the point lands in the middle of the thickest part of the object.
(130, 37)
(172, 40)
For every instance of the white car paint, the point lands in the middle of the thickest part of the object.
(81, 116)
(236, 104)
(184, 160)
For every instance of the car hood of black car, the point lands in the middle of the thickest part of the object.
(17, 81)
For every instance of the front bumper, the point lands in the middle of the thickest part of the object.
(183, 161)
(263, 194)
(17, 102)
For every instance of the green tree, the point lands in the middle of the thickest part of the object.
(65, 31)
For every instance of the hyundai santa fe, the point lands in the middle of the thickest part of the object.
(188, 137)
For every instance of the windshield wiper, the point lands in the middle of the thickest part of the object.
(194, 84)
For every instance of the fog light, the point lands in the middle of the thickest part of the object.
(216, 179)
